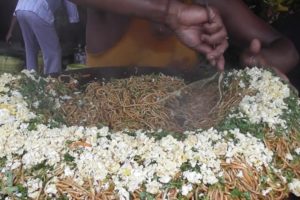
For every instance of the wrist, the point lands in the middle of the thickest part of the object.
(172, 10)
(9, 34)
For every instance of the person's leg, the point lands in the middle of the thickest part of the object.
(48, 40)
(31, 44)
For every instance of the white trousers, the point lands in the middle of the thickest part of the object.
(38, 34)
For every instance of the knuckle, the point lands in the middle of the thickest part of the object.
(225, 44)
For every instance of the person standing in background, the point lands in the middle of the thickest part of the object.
(36, 20)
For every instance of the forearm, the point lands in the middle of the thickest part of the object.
(150, 9)
(281, 54)
(12, 24)
(72, 11)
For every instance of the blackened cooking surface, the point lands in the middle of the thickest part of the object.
(88, 74)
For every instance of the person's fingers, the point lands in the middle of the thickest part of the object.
(211, 28)
(7, 39)
(212, 62)
(191, 38)
(216, 38)
(212, 14)
(203, 48)
(218, 62)
(252, 56)
(215, 22)
(249, 59)
(252, 60)
(192, 15)
(255, 46)
(221, 63)
(218, 51)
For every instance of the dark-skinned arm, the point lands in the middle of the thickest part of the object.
(150, 9)
(186, 21)
(11, 29)
(261, 44)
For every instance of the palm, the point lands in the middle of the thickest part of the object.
(190, 36)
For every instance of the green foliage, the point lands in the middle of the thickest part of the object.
(40, 166)
(174, 184)
(204, 198)
(130, 133)
(41, 171)
(68, 158)
(33, 123)
(282, 5)
(146, 196)
(2, 162)
(186, 166)
(289, 175)
(8, 188)
(237, 194)
(244, 125)
(23, 191)
(162, 134)
(296, 159)
(63, 197)
(292, 115)
(41, 101)
(271, 10)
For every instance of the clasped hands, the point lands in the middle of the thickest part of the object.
(200, 28)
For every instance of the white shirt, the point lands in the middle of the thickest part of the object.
(42, 9)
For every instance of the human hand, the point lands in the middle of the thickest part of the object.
(199, 28)
(215, 34)
(8, 37)
(253, 56)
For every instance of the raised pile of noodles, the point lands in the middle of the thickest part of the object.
(149, 102)
(132, 103)
(252, 151)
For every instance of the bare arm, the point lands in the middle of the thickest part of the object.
(11, 28)
(187, 22)
(262, 44)
(151, 9)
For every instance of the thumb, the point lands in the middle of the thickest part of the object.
(255, 46)
(250, 56)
